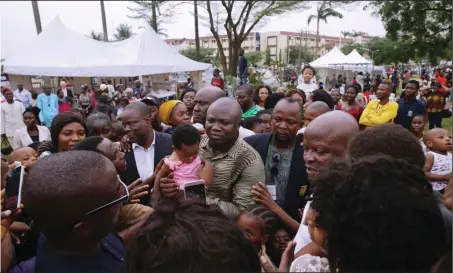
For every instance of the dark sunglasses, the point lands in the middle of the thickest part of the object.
(124, 199)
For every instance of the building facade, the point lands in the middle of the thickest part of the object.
(276, 41)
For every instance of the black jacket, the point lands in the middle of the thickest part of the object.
(298, 187)
(162, 148)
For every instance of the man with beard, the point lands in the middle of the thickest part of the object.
(237, 166)
(285, 173)
(148, 147)
(326, 139)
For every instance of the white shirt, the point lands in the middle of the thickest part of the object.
(65, 91)
(144, 159)
(301, 131)
(303, 236)
(307, 88)
(300, 79)
(11, 117)
(243, 132)
(23, 139)
(111, 90)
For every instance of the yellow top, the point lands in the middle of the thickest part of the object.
(376, 114)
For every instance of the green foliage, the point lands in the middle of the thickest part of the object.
(348, 48)
(254, 57)
(123, 32)
(323, 12)
(421, 29)
(267, 60)
(95, 35)
(305, 55)
(206, 54)
(255, 79)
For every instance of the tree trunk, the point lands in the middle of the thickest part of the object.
(154, 16)
(104, 22)
(317, 38)
(37, 17)
(197, 36)
(234, 58)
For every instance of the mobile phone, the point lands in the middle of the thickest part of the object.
(13, 190)
(195, 189)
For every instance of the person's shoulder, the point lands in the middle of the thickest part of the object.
(163, 135)
(256, 138)
(247, 152)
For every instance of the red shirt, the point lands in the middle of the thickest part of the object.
(218, 82)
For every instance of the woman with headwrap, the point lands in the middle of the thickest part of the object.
(173, 113)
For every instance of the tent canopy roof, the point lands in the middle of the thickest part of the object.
(59, 51)
(355, 58)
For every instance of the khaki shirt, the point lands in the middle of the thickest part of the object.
(235, 172)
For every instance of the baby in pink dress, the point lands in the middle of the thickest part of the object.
(184, 162)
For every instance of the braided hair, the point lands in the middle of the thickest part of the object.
(262, 213)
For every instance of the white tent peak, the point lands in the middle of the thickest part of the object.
(332, 57)
(59, 51)
(355, 58)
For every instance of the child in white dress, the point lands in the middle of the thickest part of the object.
(438, 163)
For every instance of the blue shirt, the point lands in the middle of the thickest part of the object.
(138, 90)
(48, 104)
(408, 110)
(109, 260)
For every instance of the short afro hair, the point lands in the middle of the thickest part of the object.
(94, 120)
(185, 134)
(249, 122)
(322, 95)
(379, 216)
(263, 112)
(199, 236)
(89, 144)
(272, 100)
(390, 139)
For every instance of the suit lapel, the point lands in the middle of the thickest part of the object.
(158, 151)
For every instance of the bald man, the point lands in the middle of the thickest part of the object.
(326, 139)
(314, 110)
(203, 99)
(237, 166)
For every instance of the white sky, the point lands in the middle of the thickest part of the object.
(17, 21)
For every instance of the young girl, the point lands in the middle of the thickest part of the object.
(278, 243)
(256, 222)
(174, 113)
(438, 163)
(417, 128)
(184, 162)
(63, 103)
(307, 85)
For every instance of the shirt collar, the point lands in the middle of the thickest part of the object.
(205, 145)
(134, 145)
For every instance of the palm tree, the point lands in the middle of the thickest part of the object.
(346, 33)
(95, 36)
(123, 32)
(197, 35)
(104, 22)
(323, 12)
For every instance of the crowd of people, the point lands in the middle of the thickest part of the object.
(295, 180)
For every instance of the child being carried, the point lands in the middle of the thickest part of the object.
(184, 162)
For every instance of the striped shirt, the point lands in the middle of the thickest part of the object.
(235, 172)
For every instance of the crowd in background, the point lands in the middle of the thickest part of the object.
(342, 178)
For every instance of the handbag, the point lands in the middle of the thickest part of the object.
(6, 148)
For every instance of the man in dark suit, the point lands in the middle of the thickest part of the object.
(148, 147)
(282, 155)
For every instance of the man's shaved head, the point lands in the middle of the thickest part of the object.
(139, 107)
(246, 88)
(327, 138)
(244, 96)
(61, 188)
(314, 110)
(203, 98)
(318, 107)
(227, 105)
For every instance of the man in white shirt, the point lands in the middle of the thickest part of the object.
(110, 88)
(148, 147)
(23, 95)
(11, 115)
(326, 138)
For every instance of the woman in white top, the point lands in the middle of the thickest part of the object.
(32, 133)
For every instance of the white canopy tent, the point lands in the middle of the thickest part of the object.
(334, 56)
(59, 51)
(355, 58)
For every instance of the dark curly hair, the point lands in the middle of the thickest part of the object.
(290, 92)
(185, 134)
(390, 139)
(188, 90)
(191, 236)
(379, 216)
(256, 97)
(322, 95)
(272, 100)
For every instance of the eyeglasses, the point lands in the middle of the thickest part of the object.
(124, 199)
